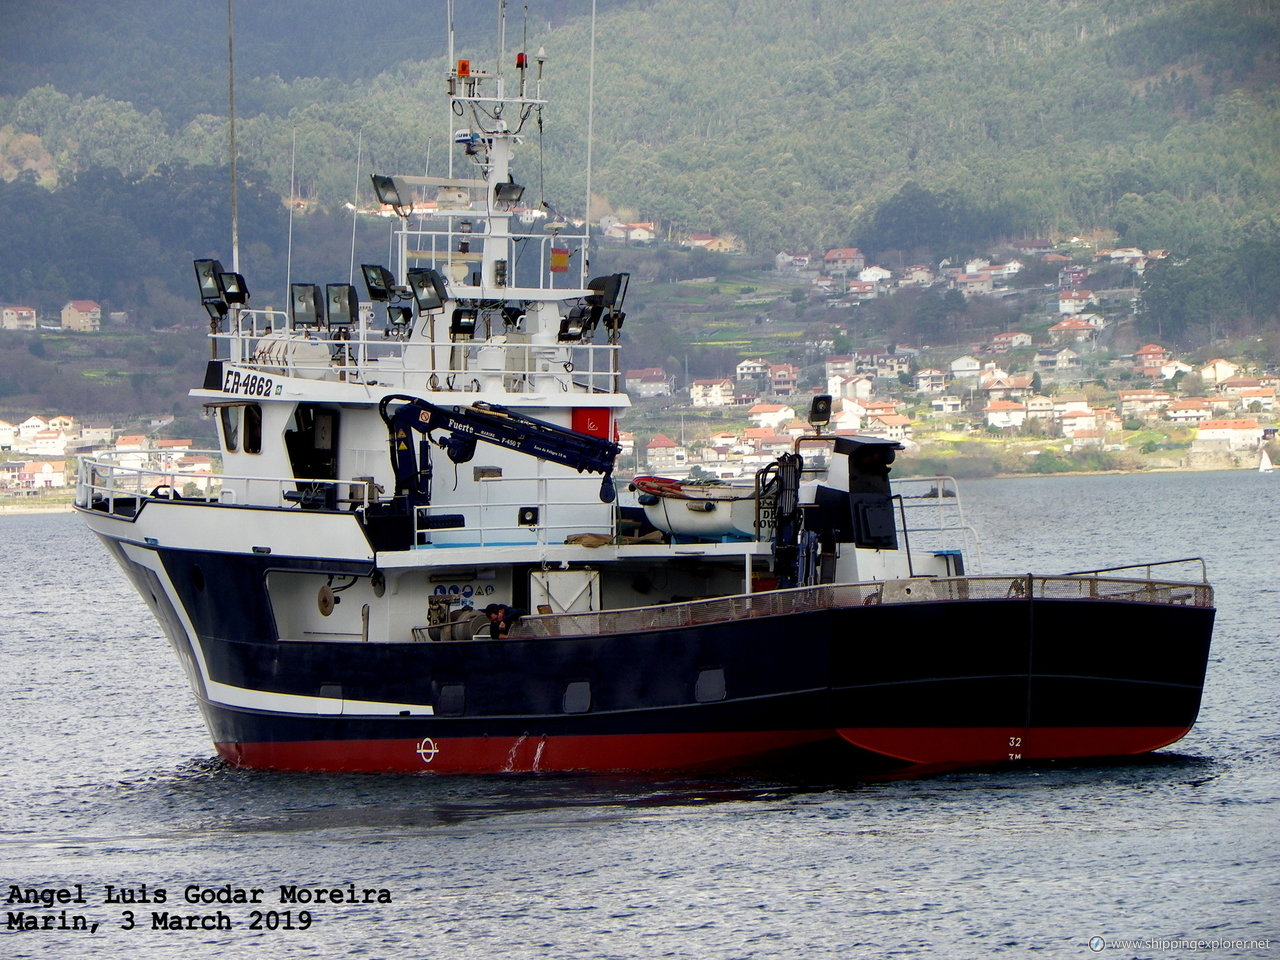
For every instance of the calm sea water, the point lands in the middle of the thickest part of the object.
(108, 780)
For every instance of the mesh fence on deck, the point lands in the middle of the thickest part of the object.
(834, 597)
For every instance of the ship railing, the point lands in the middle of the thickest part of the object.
(931, 517)
(511, 510)
(518, 511)
(544, 258)
(778, 603)
(1196, 563)
(367, 354)
(1061, 587)
(118, 482)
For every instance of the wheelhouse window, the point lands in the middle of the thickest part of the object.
(312, 442)
(241, 426)
(230, 417)
(252, 428)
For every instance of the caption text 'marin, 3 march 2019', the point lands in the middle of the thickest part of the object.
(89, 908)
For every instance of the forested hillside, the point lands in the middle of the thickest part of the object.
(914, 129)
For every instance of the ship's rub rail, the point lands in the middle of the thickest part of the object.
(843, 596)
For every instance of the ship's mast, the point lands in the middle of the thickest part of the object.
(231, 136)
(492, 121)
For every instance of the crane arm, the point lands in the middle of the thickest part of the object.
(493, 424)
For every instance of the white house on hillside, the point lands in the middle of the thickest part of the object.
(875, 275)
(1075, 301)
(648, 382)
(1011, 340)
(664, 455)
(930, 380)
(892, 426)
(1215, 371)
(1234, 435)
(771, 415)
(17, 318)
(1005, 414)
(714, 392)
(755, 370)
(844, 260)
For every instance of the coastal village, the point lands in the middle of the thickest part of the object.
(53, 443)
(1061, 387)
(1060, 384)
(1228, 425)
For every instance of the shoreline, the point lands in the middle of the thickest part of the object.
(21, 509)
(1093, 473)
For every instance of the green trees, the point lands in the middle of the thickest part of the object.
(919, 219)
(909, 127)
(913, 130)
(1214, 292)
(105, 236)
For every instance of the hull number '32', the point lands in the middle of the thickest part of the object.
(248, 385)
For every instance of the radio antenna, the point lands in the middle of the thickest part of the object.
(231, 136)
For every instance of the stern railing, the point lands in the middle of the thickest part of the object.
(799, 600)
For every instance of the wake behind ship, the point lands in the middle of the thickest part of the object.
(390, 468)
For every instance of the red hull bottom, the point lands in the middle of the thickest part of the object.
(988, 745)
(527, 754)
(966, 746)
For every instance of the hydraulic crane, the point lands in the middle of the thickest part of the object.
(492, 424)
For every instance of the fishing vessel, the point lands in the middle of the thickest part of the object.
(390, 468)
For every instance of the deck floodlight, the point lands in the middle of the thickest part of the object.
(400, 317)
(234, 289)
(428, 289)
(208, 274)
(217, 309)
(820, 410)
(613, 322)
(306, 307)
(388, 193)
(378, 281)
(342, 304)
(509, 192)
(463, 324)
(609, 290)
(593, 313)
(573, 324)
(606, 300)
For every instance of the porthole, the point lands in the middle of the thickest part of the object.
(710, 685)
(577, 697)
(451, 700)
